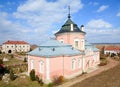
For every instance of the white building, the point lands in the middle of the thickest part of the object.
(112, 49)
(15, 46)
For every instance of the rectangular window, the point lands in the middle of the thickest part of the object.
(61, 41)
(76, 44)
(7, 46)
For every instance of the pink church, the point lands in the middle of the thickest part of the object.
(69, 55)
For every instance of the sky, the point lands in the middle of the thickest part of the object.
(36, 21)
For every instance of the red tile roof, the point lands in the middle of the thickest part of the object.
(15, 42)
(115, 48)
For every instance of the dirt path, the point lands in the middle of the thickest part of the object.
(111, 64)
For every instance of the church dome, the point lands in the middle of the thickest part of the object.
(67, 27)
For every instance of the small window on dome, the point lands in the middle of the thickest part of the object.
(76, 43)
(61, 41)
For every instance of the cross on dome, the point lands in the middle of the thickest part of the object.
(69, 11)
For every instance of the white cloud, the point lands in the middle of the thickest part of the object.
(36, 19)
(118, 14)
(102, 8)
(93, 3)
(99, 23)
(101, 31)
(10, 30)
(103, 35)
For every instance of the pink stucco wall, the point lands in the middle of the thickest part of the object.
(69, 38)
(58, 65)
(36, 65)
(62, 65)
(91, 60)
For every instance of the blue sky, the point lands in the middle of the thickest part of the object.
(36, 21)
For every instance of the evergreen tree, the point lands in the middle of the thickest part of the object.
(32, 75)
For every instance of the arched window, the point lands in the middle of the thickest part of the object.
(32, 64)
(73, 64)
(41, 66)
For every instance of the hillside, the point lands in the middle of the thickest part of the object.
(110, 78)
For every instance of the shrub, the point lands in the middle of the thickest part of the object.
(1, 61)
(103, 62)
(113, 54)
(102, 56)
(12, 56)
(50, 85)
(7, 69)
(0, 77)
(58, 80)
(32, 75)
(12, 77)
(84, 72)
(25, 59)
(39, 80)
(118, 54)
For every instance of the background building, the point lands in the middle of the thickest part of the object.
(15, 46)
(111, 49)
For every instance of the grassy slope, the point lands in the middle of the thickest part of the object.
(110, 78)
(21, 82)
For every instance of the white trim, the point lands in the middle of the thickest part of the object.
(41, 66)
(73, 64)
(76, 40)
(61, 41)
(47, 68)
(79, 63)
(32, 64)
(71, 27)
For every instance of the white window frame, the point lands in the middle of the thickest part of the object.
(73, 64)
(41, 66)
(76, 40)
(61, 41)
(32, 64)
(79, 63)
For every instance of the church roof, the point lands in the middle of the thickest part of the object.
(67, 27)
(53, 48)
(15, 42)
(54, 43)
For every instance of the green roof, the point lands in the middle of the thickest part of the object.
(67, 27)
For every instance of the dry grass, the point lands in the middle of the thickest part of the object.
(21, 82)
(110, 78)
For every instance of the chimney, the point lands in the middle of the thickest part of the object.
(71, 26)
(82, 27)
